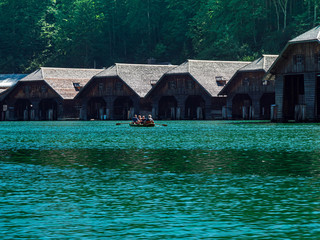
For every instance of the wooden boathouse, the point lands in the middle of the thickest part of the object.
(6, 82)
(190, 91)
(119, 91)
(47, 94)
(297, 79)
(248, 96)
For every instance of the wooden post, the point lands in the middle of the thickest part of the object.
(199, 113)
(154, 114)
(300, 113)
(108, 113)
(224, 112)
(178, 113)
(25, 115)
(101, 113)
(50, 114)
(273, 112)
(244, 112)
(173, 115)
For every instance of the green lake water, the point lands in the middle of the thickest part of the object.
(189, 180)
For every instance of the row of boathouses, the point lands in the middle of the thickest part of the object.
(284, 87)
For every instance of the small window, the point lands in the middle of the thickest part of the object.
(172, 84)
(220, 81)
(317, 60)
(265, 82)
(77, 86)
(190, 84)
(246, 82)
(100, 87)
(119, 86)
(153, 82)
(26, 89)
(299, 62)
(44, 89)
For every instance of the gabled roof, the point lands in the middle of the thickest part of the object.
(137, 76)
(312, 35)
(206, 72)
(9, 80)
(61, 79)
(309, 36)
(261, 64)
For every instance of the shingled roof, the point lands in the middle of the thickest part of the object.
(261, 64)
(206, 72)
(61, 79)
(7, 81)
(309, 36)
(137, 76)
(312, 35)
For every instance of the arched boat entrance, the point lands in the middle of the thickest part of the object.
(167, 107)
(22, 110)
(241, 106)
(122, 107)
(48, 110)
(266, 101)
(96, 108)
(194, 107)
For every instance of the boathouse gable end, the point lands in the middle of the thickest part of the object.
(197, 81)
(298, 58)
(247, 93)
(47, 94)
(122, 88)
(32, 90)
(297, 83)
(106, 86)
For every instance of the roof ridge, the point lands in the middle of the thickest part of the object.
(82, 69)
(145, 64)
(318, 36)
(270, 55)
(218, 61)
(42, 73)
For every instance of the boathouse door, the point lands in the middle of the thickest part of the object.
(318, 97)
(293, 94)
(22, 109)
(266, 101)
(48, 110)
(195, 107)
(96, 108)
(167, 107)
(122, 107)
(241, 106)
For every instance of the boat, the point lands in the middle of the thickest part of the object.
(148, 124)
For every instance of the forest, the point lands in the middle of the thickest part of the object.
(98, 33)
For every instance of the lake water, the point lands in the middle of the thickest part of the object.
(188, 180)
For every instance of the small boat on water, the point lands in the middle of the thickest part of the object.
(150, 124)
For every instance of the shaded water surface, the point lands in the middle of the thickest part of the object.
(189, 180)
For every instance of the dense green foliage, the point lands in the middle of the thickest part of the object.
(97, 33)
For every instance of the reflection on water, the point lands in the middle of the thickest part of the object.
(190, 180)
(175, 161)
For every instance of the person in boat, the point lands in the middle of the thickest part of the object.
(143, 120)
(150, 119)
(135, 119)
(139, 119)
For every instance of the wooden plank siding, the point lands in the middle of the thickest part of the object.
(300, 58)
(248, 96)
